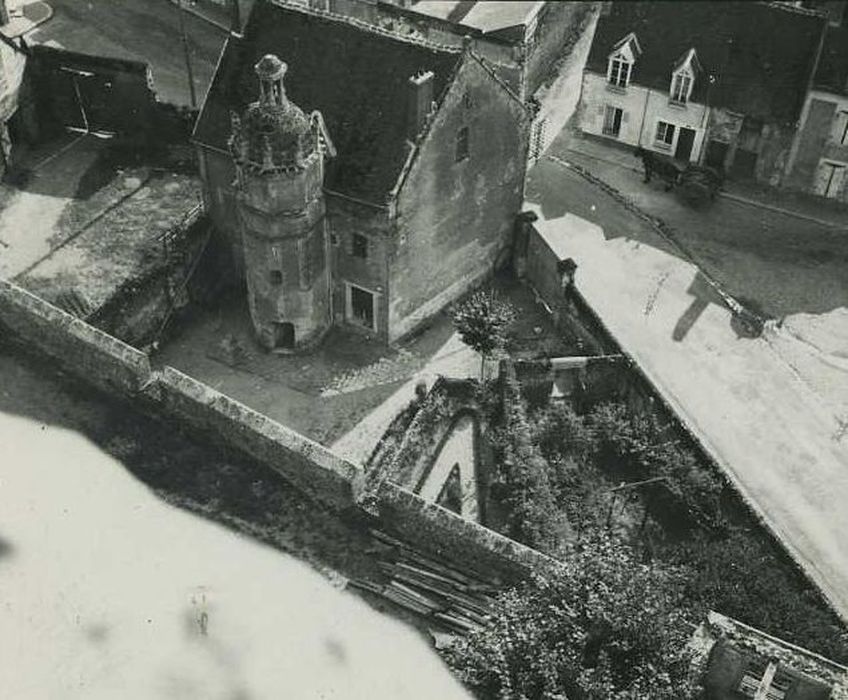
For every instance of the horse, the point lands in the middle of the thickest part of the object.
(655, 163)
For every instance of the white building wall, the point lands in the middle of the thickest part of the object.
(643, 109)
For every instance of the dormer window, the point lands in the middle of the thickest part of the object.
(683, 78)
(621, 60)
(681, 87)
(619, 73)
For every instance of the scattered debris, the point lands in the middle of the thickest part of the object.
(453, 602)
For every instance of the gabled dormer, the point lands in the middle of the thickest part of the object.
(621, 60)
(683, 75)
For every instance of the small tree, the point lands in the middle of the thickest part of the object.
(482, 321)
(602, 626)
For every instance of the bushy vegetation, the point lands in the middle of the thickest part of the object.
(556, 464)
(522, 479)
(742, 575)
(603, 626)
(636, 447)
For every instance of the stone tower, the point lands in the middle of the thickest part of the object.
(279, 157)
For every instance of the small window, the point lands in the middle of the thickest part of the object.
(759, 677)
(840, 128)
(612, 120)
(359, 248)
(276, 277)
(462, 149)
(467, 102)
(681, 88)
(665, 134)
(619, 72)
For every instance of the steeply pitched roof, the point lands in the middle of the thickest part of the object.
(761, 54)
(832, 73)
(358, 80)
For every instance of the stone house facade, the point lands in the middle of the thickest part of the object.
(428, 172)
(720, 83)
(819, 159)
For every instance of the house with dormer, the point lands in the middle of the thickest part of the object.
(721, 83)
(358, 177)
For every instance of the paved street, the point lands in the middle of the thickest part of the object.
(783, 265)
(770, 410)
(141, 30)
(108, 591)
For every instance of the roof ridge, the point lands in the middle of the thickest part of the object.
(491, 71)
(366, 26)
(792, 9)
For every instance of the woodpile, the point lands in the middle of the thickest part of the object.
(447, 598)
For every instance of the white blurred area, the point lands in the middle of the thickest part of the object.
(106, 592)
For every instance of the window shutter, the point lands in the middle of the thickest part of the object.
(602, 109)
(625, 117)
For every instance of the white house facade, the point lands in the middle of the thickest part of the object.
(615, 107)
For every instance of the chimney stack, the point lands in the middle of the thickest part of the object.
(420, 102)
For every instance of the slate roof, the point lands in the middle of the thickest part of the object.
(762, 55)
(357, 78)
(832, 73)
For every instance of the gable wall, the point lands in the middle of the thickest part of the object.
(454, 219)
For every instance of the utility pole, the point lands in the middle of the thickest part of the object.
(187, 54)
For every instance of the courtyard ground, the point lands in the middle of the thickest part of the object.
(110, 591)
(772, 409)
(347, 391)
(81, 221)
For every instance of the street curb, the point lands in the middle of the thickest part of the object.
(780, 210)
(725, 194)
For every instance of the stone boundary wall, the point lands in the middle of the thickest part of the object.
(119, 369)
(440, 533)
(115, 367)
(82, 349)
(309, 466)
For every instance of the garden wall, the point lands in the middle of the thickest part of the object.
(117, 368)
(440, 533)
(78, 347)
(307, 465)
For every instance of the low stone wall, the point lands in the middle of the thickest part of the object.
(307, 465)
(117, 368)
(440, 533)
(83, 350)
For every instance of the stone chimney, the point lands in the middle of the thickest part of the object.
(420, 102)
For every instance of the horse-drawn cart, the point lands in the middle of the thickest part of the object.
(697, 184)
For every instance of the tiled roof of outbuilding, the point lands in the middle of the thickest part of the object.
(760, 54)
(358, 80)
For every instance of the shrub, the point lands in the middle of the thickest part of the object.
(533, 516)
(602, 626)
(482, 321)
(637, 447)
(744, 577)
